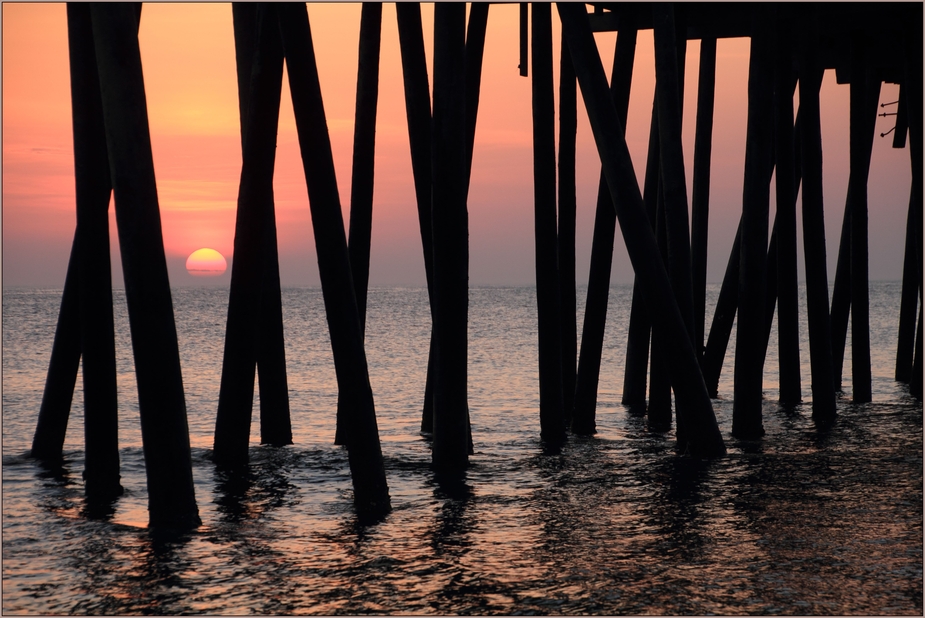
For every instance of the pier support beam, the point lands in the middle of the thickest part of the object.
(605, 221)
(817, 288)
(97, 330)
(51, 429)
(640, 326)
(704, 438)
(669, 74)
(568, 131)
(450, 220)
(363, 172)
(552, 417)
(700, 200)
(371, 493)
(785, 221)
(260, 74)
(905, 345)
(913, 53)
(165, 436)
(746, 412)
(417, 108)
(864, 95)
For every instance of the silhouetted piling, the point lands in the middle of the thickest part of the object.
(841, 297)
(568, 132)
(746, 420)
(450, 239)
(669, 75)
(552, 417)
(723, 317)
(700, 199)
(817, 288)
(371, 493)
(658, 408)
(165, 436)
(704, 439)
(905, 345)
(97, 331)
(785, 222)
(640, 325)
(361, 186)
(913, 75)
(605, 221)
(51, 429)
(255, 197)
(864, 96)
(275, 424)
(417, 108)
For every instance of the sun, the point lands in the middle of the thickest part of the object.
(206, 263)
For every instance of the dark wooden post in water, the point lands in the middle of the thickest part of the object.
(275, 425)
(450, 222)
(700, 199)
(165, 436)
(746, 419)
(605, 221)
(669, 74)
(568, 132)
(841, 297)
(552, 418)
(371, 492)
(913, 53)
(865, 95)
(85, 322)
(910, 296)
(704, 437)
(640, 326)
(51, 429)
(817, 287)
(97, 332)
(361, 185)
(417, 107)
(263, 78)
(785, 222)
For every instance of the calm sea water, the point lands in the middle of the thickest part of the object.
(802, 522)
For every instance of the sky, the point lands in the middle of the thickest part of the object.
(188, 63)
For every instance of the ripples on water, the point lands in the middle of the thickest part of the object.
(801, 522)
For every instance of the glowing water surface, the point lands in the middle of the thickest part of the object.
(801, 522)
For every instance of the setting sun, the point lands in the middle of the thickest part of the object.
(206, 263)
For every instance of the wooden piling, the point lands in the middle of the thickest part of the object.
(262, 78)
(361, 185)
(552, 417)
(51, 429)
(913, 86)
(905, 345)
(417, 108)
(97, 330)
(605, 220)
(746, 412)
(669, 72)
(568, 132)
(705, 439)
(658, 408)
(817, 289)
(371, 494)
(723, 317)
(864, 96)
(841, 298)
(165, 436)
(450, 240)
(785, 221)
(275, 423)
(700, 199)
(640, 325)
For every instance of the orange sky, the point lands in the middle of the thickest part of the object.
(189, 71)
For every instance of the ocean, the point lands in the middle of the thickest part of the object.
(803, 521)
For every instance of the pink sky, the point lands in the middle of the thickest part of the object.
(189, 71)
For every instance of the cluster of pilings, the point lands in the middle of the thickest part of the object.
(791, 45)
